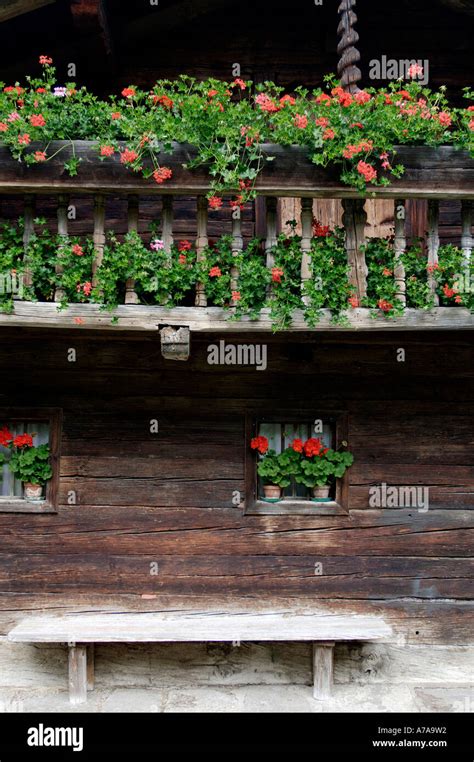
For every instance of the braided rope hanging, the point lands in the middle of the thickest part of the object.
(349, 56)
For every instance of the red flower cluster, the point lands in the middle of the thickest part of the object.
(23, 440)
(5, 437)
(45, 60)
(301, 121)
(313, 447)
(215, 202)
(260, 444)
(184, 245)
(353, 149)
(367, 171)
(77, 250)
(266, 103)
(384, 305)
(239, 83)
(163, 100)
(37, 120)
(345, 99)
(106, 150)
(320, 231)
(449, 292)
(128, 156)
(24, 139)
(40, 156)
(297, 445)
(215, 272)
(287, 99)
(354, 302)
(277, 274)
(128, 92)
(162, 174)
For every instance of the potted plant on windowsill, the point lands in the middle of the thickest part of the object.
(28, 463)
(320, 466)
(272, 469)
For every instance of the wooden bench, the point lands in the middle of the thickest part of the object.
(82, 631)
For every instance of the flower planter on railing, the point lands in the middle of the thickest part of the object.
(432, 173)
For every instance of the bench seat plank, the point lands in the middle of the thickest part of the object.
(166, 627)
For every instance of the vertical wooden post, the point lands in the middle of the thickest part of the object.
(272, 227)
(237, 246)
(77, 677)
(133, 208)
(28, 230)
(90, 666)
(167, 223)
(271, 219)
(62, 232)
(400, 243)
(354, 220)
(201, 243)
(433, 244)
(99, 234)
(323, 661)
(466, 244)
(306, 237)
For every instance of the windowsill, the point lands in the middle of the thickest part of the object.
(19, 505)
(287, 507)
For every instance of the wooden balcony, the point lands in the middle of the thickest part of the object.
(430, 173)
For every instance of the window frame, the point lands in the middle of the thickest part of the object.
(54, 418)
(253, 506)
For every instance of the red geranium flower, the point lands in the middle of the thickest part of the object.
(128, 92)
(5, 437)
(277, 274)
(45, 60)
(40, 156)
(215, 202)
(259, 443)
(162, 174)
(106, 150)
(297, 445)
(312, 447)
(184, 245)
(128, 156)
(23, 440)
(448, 292)
(384, 305)
(37, 120)
(77, 250)
(215, 272)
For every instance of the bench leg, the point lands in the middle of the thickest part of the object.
(90, 667)
(323, 657)
(77, 678)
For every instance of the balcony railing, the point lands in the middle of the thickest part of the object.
(430, 173)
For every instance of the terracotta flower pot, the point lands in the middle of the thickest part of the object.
(32, 491)
(321, 492)
(272, 491)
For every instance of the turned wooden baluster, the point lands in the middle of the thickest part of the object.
(433, 245)
(466, 244)
(354, 219)
(99, 234)
(28, 230)
(202, 242)
(306, 238)
(348, 72)
(272, 231)
(63, 233)
(237, 246)
(167, 224)
(133, 210)
(400, 243)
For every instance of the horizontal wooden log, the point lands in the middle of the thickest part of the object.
(216, 320)
(443, 172)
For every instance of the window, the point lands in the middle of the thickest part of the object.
(45, 427)
(280, 431)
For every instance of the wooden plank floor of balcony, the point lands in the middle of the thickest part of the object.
(216, 320)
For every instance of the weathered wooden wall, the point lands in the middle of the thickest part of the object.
(167, 497)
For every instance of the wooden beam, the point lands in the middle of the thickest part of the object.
(9, 9)
(439, 173)
(216, 320)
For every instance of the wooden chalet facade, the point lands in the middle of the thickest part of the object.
(151, 455)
